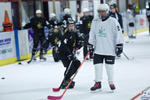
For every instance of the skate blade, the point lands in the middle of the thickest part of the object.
(42, 60)
(96, 91)
(112, 91)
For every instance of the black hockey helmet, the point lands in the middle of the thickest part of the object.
(113, 6)
(71, 22)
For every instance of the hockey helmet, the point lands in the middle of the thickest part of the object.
(52, 15)
(67, 11)
(103, 7)
(113, 6)
(38, 12)
(85, 10)
(71, 22)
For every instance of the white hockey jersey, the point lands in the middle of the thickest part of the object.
(105, 35)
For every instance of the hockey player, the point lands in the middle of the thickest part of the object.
(107, 39)
(54, 38)
(85, 25)
(54, 30)
(53, 21)
(67, 49)
(131, 24)
(114, 13)
(66, 18)
(148, 15)
(38, 23)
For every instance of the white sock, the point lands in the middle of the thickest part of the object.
(98, 72)
(110, 72)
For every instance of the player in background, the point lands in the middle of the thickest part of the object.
(85, 26)
(114, 13)
(148, 15)
(131, 24)
(53, 21)
(66, 18)
(38, 23)
(107, 38)
(54, 39)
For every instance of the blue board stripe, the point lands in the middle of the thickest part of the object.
(17, 45)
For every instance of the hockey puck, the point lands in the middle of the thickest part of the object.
(3, 78)
(19, 63)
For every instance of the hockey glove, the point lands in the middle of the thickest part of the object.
(82, 36)
(71, 57)
(119, 49)
(65, 41)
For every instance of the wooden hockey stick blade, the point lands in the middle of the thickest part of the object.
(56, 89)
(54, 97)
(136, 96)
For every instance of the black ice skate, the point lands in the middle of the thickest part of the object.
(132, 37)
(112, 86)
(32, 58)
(42, 58)
(65, 84)
(118, 56)
(97, 86)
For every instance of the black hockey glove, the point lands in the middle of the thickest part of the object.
(119, 49)
(71, 57)
(58, 44)
(82, 36)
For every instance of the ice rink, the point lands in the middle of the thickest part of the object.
(35, 81)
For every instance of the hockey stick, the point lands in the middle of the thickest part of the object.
(41, 47)
(32, 58)
(58, 89)
(141, 93)
(35, 56)
(127, 56)
(59, 97)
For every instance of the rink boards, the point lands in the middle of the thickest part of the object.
(17, 45)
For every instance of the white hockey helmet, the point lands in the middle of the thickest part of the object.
(67, 11)
(103, 7)
(52, 15)
(38, 12)
(128, 11)
(86, 10)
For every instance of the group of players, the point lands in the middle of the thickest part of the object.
(101, 37)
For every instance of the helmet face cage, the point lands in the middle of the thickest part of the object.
(56, 29)
(71, 25)
(71, 21)
(38, 13)
(113, 6)
(102, 10)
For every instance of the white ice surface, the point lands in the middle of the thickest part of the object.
(36, 80)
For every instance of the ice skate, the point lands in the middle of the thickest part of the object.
(65, 84)
(112, 87)
(42, 58)
(96, 87)
(32, 58)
